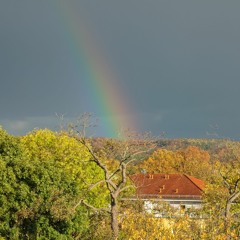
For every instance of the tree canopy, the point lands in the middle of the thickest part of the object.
(59, 185)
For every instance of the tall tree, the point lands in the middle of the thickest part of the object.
(122, 152)
(43, 175)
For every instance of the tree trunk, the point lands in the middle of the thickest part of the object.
(114, 218)
(227, 209)
(229, 202)
(226, 215)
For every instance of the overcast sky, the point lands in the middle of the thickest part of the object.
(177, 63)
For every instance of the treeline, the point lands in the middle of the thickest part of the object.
(213, 146)
(62, 185)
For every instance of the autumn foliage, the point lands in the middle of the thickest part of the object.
(56, 185)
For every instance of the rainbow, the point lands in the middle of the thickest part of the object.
(107, 95)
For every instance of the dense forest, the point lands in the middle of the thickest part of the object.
(64, 185)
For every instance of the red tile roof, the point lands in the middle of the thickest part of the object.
(167, 185)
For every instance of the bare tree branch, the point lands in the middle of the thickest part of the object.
(91, 207)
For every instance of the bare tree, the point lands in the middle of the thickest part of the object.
(125, 150)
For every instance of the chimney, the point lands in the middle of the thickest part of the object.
(163, 187)
(150, 176)
(166, 176)
(176, 191)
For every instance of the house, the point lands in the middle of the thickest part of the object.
(181, 192)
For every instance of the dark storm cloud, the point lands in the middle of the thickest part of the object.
(34, 53)
(178, 62)
(184, 56)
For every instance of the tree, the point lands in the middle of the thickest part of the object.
(230, 175)
(72, 157)
(222, 200)
(195, 162)
(162, 161)
(123, 152)
(43, 175)
(9, 151)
